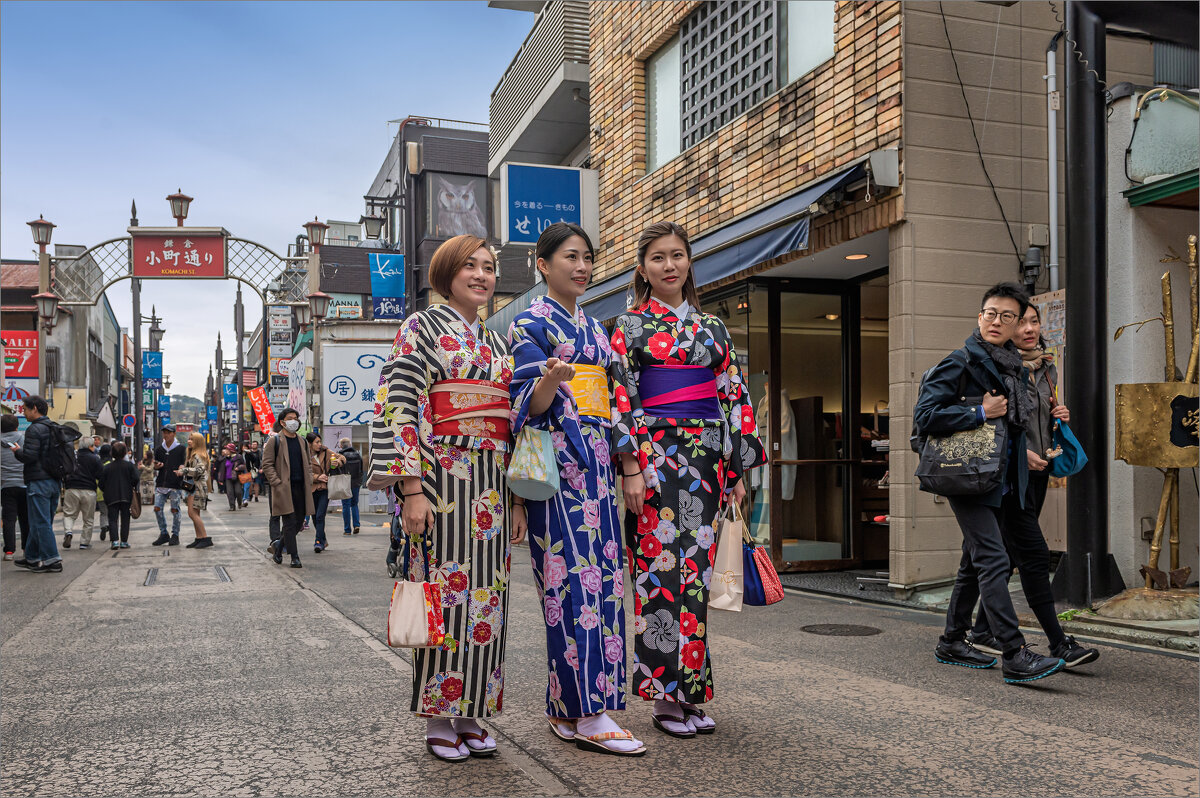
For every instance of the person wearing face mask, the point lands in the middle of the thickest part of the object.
(441, 432)
(564, 365)
(686, 434)
(986, 379)
(1026, 544)
(286, 464)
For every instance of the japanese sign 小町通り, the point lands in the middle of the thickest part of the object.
(187, 254)
(351, 380)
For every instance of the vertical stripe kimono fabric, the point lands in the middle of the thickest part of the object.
(574, 537)
(467, 550)
(687, 464)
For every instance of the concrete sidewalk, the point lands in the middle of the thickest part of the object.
(277, 682)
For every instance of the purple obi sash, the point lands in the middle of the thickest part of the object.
(679, 392)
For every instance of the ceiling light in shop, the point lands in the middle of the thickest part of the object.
(832, 316)
(858, 256)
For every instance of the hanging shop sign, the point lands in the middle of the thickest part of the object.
(387, 285)
(194, 252)
(262, 408)
(297, 371)
(344, 306)
(534, 197)
(152, 367)
(20, 354)
(229, 393)
(351, 380)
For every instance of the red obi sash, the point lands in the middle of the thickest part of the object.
(476, 408)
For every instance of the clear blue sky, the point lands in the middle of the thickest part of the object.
(267, 113)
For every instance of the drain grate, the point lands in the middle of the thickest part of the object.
(151, 577)
(840, 630)
(222, 574)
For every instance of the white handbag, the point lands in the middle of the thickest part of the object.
(339, 487)
(726, 589)
(415, 616)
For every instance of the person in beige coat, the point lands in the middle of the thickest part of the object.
(287, 466)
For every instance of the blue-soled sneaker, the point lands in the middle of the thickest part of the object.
(1028, 666)
(960, 652)
(1074, 654)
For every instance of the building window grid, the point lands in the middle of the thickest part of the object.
(98, 372)
(728, 55)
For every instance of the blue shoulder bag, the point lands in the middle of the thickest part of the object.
(1073, 458)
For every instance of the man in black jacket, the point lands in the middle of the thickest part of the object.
(353, 467)
(985, 382)
(41, 551)
(169, 457)
(79, 498)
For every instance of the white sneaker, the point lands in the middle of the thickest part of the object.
(8, 555)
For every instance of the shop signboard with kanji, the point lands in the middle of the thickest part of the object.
(261, 403)
(534, 196)
(20, 354)
(152, 368)
(352, 381)
(178, 252)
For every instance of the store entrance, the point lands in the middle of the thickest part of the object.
(815, 359)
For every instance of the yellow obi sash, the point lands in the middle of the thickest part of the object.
(590, 388)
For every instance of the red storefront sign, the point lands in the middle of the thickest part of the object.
(186, 253)
(20, 353)
(262, 408)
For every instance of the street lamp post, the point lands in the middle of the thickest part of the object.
(180, 203)
(42, 233)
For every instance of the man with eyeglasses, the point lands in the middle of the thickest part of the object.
(986, 379)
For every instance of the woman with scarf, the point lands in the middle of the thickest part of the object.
(1026, 544)
(686, 435)
(982, 381)
(561, 384)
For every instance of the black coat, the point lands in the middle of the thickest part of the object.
(167, 478)
(941, 409)
(119, 480)
(87, 471)
(353, 466)
(38, 439)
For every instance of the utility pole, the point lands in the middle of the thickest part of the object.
(139, 411)
(239, 324)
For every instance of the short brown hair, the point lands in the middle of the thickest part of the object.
(451, 256)
(640, 285)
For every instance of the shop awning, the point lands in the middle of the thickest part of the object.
(305, 339)
(1176, 191)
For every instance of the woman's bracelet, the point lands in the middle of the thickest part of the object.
(634, 474)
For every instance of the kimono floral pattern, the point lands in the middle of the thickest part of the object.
(574, 537)
(466, 552)
(689, 465)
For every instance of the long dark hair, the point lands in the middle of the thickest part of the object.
(640, 285)
(556, 235)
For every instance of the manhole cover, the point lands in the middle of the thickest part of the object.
(840, 630)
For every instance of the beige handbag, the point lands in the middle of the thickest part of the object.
(415, 616)
(726, 588)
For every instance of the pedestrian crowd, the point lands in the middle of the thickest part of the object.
(483, 439)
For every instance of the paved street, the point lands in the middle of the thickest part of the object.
(277, 682)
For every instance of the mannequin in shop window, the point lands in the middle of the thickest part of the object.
(760, 511)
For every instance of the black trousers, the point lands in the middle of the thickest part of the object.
(982, 575)
(118, 518)
(233, 492)
(16, 510)
(292, 522)
(1027, 551)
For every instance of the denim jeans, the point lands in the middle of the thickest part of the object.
(350, 507)
(320, 505)
(246, 491)
(161, 498)
(43, 502)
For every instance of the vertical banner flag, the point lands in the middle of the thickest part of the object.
(230, 392)
(152, 365)
(213, 412)
(164, 405)
(262, 408)
(204, 425)
(387, 284)
(297, 374)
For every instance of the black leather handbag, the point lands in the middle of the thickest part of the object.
(966, 463)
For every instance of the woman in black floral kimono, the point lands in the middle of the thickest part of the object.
(686, 434)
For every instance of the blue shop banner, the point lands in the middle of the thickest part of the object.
(152, 367)
(230, 392)
(204, 425)
(537, 197)
(214, 412)
(387, 284)
(164, 405)
(164, 419)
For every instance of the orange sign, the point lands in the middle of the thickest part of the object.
(262, 408)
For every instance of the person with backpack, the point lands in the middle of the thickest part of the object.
(984, 386)
(48, 457)
(79, 494)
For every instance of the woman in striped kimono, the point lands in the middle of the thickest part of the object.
(686, 435)
(441, 432)
(561, 384)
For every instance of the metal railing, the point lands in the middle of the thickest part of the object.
(560, 34)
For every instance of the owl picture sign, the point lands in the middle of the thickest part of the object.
(458, 206)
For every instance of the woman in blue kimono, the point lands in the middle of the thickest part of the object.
(561, 384)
